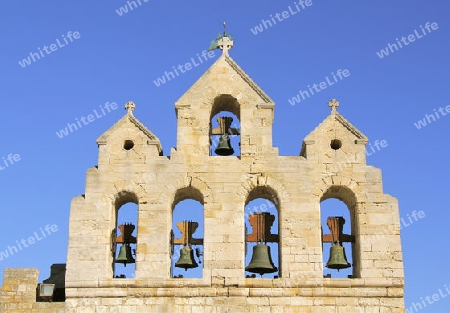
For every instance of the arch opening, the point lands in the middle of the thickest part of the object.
(186, 238)
(262, 239)
(225, 127)
(337, 224)
(124, 236)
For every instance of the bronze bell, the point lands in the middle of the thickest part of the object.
(261, 262)
(337, 258)
(224, 146)
(125, 255)
(186, 258)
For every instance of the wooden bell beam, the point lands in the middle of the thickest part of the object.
(126, 236)
(336, 235)
(187, 229)
(224, 127)
(261, 224)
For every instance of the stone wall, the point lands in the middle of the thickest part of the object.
(224, 185)
(18, 293)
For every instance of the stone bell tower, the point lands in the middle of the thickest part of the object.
(223, 160)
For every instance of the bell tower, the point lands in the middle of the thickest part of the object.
(226, 93)
(224, 205)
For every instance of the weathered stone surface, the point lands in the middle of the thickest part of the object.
(224, 185)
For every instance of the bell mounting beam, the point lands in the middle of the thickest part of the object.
(261, 223)
(224, 127)
(336, 235)
(187, 229)
(126, 236)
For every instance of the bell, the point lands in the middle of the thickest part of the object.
(261, 262)
(125, 255)
(186, 258)
(224, 147)
(337, 258)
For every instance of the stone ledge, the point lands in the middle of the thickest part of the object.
(245, 283)
(211, 292)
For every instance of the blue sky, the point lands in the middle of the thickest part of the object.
(116, 58)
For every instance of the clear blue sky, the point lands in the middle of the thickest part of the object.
(116, 58)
